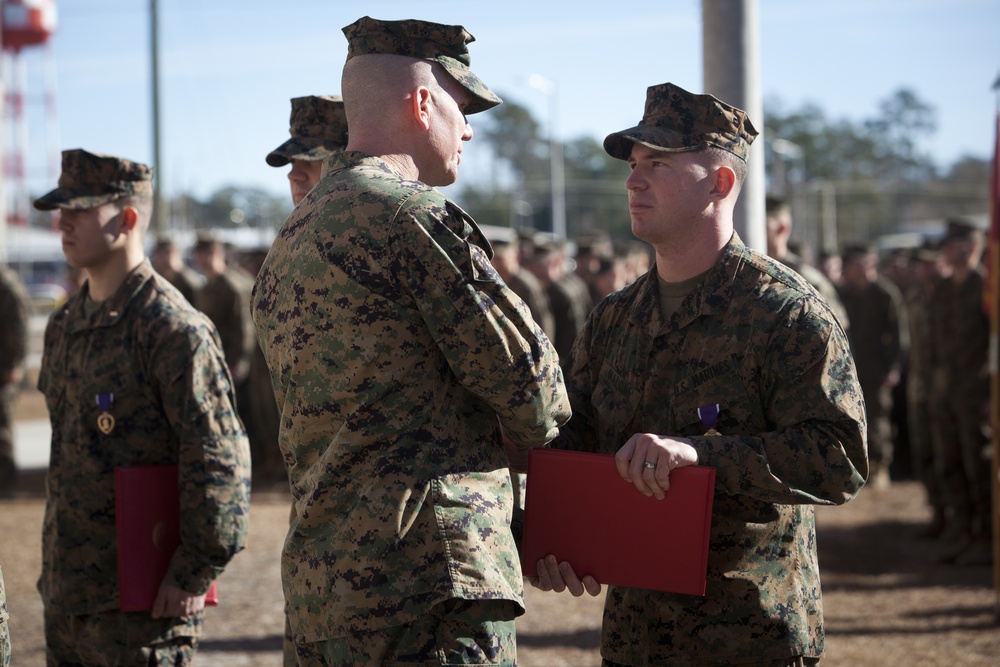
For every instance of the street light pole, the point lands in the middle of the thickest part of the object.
(557, 171)
(159, 214)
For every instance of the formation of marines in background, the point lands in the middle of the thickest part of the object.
(377, 277)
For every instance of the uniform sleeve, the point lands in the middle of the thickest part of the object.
(484, 330)
(213, 462)
(814, 450)
(14, 312)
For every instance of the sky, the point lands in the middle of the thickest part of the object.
(229, 68)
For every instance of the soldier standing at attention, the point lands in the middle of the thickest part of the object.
(879, 338)
(960, 394)
(132, 375)
(720, 357)
(15, 309)
(397, 354)
(318, 126)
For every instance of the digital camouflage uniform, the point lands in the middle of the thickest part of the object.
(318, 129)
(188, 282)
(4, 632)
(918, 391)
(15, 308)
(156, 366)
(754, 338)
(822, 285)
(225, 299)
(394, 346)
(879, 338)
(571, 305)
(960, 389)
(396, 352)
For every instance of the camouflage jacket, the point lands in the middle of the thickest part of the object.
(14, 311)
(4, 615)
(879, 333)
(756, 340)
(226, 301)
(821, 284)
(959, 339)
(396, 351)
(172, 401)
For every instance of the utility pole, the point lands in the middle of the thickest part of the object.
(731, 61)
(159, 210)
(3, 161)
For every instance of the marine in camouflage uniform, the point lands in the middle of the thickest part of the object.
(960, 392)
(751, 337)
(15, 309)
(920, 409)
(132, 375)
(318, 129)
(879, 338)
(397, 352)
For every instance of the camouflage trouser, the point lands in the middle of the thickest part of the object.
(7, 466)
(456, 632)
(783, 662)
(878, 411)
(120, 640)
(962, 454)
(4, 643)
(922, 451)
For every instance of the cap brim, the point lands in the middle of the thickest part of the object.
(68, 198)
(619, 144)
(482, 97)
(301, 149)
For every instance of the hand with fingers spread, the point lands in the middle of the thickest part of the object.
(647, 459)
(559, 576)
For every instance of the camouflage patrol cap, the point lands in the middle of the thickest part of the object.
(676, 121)
(444, 44)
(90, 179)
(318, 126)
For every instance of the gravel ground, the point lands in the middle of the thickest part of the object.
(887, 601)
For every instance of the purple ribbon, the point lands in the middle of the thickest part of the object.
(709, 415)
(105, 401)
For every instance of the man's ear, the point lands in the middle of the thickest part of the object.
(725, 181)
(130, 218)
(420, 103)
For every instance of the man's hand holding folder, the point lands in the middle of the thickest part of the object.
(646, 461)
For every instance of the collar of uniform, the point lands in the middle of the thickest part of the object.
(471, 233)
(113, 309)
(348, 159)
(711, 297)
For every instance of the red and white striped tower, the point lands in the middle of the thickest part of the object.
(25, 24)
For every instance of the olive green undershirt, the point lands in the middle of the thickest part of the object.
(672, 295)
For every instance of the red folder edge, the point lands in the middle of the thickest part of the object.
(579, 508)
(147, 522)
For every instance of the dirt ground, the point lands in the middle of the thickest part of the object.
(886, 600)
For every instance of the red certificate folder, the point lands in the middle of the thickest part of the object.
(578, 508)
(147, 519)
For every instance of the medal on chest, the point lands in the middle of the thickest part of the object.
(709, 416)
(105, 422)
